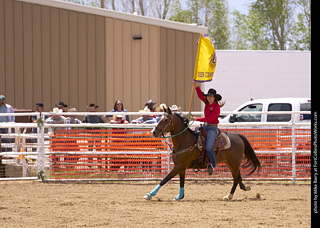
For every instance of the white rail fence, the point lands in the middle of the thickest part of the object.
(27, 155)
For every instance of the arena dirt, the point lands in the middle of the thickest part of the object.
(268, 204)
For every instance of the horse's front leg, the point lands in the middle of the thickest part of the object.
(173, 173)
(182, 176)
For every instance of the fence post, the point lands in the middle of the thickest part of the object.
(40, 149)
(293, 141)
(168, 154)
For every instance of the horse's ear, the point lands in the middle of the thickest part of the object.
(164, 109)
(169, 111)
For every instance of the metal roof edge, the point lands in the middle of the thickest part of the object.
(120, 15)
(265, 51)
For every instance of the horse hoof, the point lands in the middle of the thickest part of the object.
(228, 197)
(177, 198)
(148, 196)
(247, 189)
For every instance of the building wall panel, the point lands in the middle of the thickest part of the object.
(36, 54)
(82, 61)
(9, 50)
(136, 70)
(73, 60)
(53, 54)
(127, 65)
(46, 56)
(54, 79)
(18, 54)
(64, 57)
(2, 47)
(109, 63)
(101, 92)
(27, 56)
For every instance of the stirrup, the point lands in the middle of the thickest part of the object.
(210, 169)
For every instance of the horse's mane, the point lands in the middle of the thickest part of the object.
(185, 121)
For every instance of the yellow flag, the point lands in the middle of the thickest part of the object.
(206, 60)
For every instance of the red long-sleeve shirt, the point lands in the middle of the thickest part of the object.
(211, 112)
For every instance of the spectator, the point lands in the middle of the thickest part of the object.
(118, 119)
(39, 109)
(72, 119)
(55, 119)
(175, 108)
(94, 133)
(160, 109)
(118, 107)
(62, 106)
(151, 105)
(72, 144)
(92, 118)
(56, 145)
(147, 119)
(5, 108)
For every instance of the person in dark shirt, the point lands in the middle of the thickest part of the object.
(93, 118)
(95, 133)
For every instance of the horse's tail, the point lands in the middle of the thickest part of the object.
(252, 159)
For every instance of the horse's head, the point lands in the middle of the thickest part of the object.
(165, 124)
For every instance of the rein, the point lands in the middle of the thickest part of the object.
(171, 136)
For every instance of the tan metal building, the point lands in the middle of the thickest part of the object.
(53, 51)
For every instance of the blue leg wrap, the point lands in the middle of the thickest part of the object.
(155, 190)
(181, 194)
(149, 196)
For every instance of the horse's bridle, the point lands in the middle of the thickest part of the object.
(163, 131)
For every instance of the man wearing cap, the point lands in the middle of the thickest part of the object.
(95, 132)
(61, 105)
(5, 108)
(150, 104)
(39, 109)
(92, 118)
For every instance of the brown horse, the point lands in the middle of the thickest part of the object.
(186, 154)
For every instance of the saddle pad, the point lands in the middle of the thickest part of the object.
(222, 142)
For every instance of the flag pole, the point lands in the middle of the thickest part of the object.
(191, 99)
(195, 71)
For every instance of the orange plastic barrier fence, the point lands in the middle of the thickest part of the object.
(129, 154)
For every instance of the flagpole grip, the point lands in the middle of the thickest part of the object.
(191, 98)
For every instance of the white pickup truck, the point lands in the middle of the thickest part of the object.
(269, 105)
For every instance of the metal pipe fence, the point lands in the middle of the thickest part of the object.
(77, 152)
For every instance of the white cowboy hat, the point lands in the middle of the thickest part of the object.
(118, 116)
(57, 110)
(145, 110)
(72, 110)
(175, 108)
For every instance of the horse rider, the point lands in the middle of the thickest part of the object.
(210, 119)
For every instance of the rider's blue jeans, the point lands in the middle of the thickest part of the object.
(212, 133)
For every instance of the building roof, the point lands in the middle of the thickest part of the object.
(120, 15)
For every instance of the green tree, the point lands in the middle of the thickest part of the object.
(218, 24)
(249, 32)
(210, 13)
(277, 17)
(301, 31)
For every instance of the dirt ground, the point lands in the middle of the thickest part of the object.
(35, 204)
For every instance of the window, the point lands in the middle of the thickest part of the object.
(249, 117)
(305, 107)
(276, 107)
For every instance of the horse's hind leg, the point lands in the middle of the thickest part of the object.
(244, 188)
